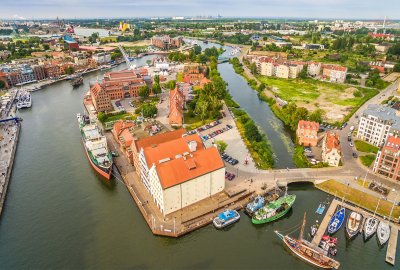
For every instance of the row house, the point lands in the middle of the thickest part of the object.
(387, 162)
(377, 123)
(331, 150)
(123, 135)
(280, 68)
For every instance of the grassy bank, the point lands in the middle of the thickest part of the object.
(256, 143)
(358, 197)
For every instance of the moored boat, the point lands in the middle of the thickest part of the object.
(383, 232)
(274, 210)
(321, 208)
(77, 81)
(353, 224)
(95, 145)
(226, 218)
(309, 254)
(336, 221)
(370, 227)
(253, 206)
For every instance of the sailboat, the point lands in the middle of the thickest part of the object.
(304, 250)
(371, 224)
(336, 221)
(383, 232)
(353, 224)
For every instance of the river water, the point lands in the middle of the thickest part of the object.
(59, 214)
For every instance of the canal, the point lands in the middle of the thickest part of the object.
(59, 214)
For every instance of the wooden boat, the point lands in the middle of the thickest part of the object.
(303, 250)
(321, 209)
(353, 224)
(336, 221)
(383, 232)
(370, 226)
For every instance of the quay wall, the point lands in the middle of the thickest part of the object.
(9, 169)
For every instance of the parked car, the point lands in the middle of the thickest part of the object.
(355, 155)
(349, 139)
(351, 144)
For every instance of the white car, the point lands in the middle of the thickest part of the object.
(351, 144)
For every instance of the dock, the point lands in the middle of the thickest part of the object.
(392, 245)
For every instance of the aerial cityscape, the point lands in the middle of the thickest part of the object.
(199, 134)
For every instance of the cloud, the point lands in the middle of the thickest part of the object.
(16, 16)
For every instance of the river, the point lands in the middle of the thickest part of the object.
(59, 214)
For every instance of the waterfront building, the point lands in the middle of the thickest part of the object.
(387, 162)
(331, 150)
(176, 103)
(161, 63)
(115, 85)
(307, 133)
(123, 135)
(39, 72)
(165, 42)
(102, 58)
(193, 74)
(181, 172)
(377, 123)
(138, 145)
(100, 98)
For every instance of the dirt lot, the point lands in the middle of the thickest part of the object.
(129, 44)
(392, 77)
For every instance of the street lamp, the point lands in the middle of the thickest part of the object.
(391, 210)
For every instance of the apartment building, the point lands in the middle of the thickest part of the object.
(387, 162)
(165, 42)
(314, 69)
(377, 123)
(307, 133)
(334, 73)
(331, 150)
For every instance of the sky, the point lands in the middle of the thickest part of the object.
(351, 9)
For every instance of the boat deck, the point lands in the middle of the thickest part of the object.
(392, 246)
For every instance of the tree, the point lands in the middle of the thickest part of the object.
(171, 84)
(202, 108)
(396, 67)
(316, 115)
(102, 117)
(261, 87)
(149, 110)
(144, 91)
(253, 68)
(156, 88)
(303, 72)
(221, 146)
(46, 47)
(69, 70)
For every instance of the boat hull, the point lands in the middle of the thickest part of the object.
(105, 174)
(289, 244)
(336, 221)
(383, 233)
(278, 216)
(369, 233)
(353, 229)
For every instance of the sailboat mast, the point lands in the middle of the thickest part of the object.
(377, 205)
(391, 210)
(302, 227)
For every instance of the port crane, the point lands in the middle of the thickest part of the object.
(126, 57)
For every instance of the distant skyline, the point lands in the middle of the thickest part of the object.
(346, 9)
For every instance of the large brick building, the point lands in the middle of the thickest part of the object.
(176, 102)
(166, 42)
(115, 85)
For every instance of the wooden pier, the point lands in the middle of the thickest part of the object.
(392, 245)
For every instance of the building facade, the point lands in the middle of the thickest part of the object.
(307, 133)
(377, 123)
(331, 150)
(387, 162)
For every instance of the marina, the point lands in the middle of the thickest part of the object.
(391, 248)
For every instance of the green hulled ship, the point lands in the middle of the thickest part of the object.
(274, 210)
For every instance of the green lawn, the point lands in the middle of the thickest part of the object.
(309, 90)
(179, 77)
(367, 160)
(365, 147)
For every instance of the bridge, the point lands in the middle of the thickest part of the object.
(16, 119)
(127, 58)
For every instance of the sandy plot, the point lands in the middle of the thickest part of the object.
(129, 44)
(392, 77)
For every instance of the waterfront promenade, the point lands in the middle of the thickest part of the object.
(9, 134)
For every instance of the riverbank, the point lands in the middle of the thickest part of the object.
(9, 135)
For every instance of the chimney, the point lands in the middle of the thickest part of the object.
(192, 146)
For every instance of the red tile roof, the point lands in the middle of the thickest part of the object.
(392, 144)
(303, 124)
(175, 163)
(159, 138)
(332, 141)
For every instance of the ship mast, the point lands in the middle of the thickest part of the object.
(302, 227)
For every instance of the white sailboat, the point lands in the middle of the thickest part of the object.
(383, 232)
(371, 224)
